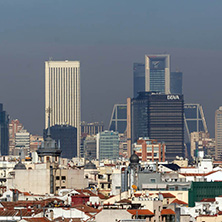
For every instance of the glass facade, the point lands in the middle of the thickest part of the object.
(118, 119)
(138, 78)
(4, 132)
(66, 135)
(160, 117)
(176, 82)
(108, 142)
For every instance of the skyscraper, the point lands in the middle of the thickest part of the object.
(218, 133)
(138, 78)
(159, 117)
(118, 118)
(62, 94)
(4, 132)
(157, 73)
(66, 137)
(176, 82)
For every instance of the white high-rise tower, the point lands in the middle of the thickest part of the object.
(62, 94)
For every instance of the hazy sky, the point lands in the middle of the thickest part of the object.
(107, 37)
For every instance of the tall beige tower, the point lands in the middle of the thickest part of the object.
(62, 94)
(218, 133)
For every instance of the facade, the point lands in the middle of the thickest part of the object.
(194, 120)
(118, 119)
(90, 147)
(14, 127)
(66, 136)
(107, 145)
(22, 143)
(4, 132)
(91, 128)
(176, 82)
(160, 117)
(218, 133)
(138, 78)
(150, 150)
(157, 73)
(62, 94)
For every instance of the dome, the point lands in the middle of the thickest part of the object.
(19, 166)
(90, 166)
(134, 159)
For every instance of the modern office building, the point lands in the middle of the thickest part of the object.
(138, 78)
(107, 145)
(157, 73)
(194, 120)
(62, 95)
(218, 133)
(160, 117)
(66, 137)
(4, 132)
(90, 147)
(118, 119)
(91, 128)
(176, 82)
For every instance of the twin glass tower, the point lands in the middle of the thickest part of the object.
(62, 94)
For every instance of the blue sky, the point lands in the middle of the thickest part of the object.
(107, 37)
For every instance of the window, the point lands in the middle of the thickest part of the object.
(153, 180)
(57, 177)
(63, 177)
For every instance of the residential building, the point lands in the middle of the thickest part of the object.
(160, 117)
(108, 145)
(4, 132)
(22, 143)
(62, 95)
(218, 133)
(66, 136)
(157, 73)
(138, 78)
(14, 127)
(118, 119)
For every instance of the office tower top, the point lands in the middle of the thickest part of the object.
(62, 94)
(138, 78)
(176, 82)
(118, 118)
(157, 73)
(218, 133)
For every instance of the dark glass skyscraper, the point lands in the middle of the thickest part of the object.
(4, 133)
(66, 136)
(176, 82)
(160, 117)
(138, 78)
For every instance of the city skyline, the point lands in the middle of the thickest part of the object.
(107, 56)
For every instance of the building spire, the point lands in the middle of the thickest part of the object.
(48, 110)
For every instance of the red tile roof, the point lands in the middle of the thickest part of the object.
(208, 200)
(37, 219)
(180, 202)
(141, 212)
(167, 212)
(168, 195)
(85, 208)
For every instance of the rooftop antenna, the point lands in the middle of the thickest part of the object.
(48, 110)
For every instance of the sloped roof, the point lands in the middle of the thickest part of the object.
(167, 212)
(85, 208)
(171, 166)
(208, 200)
(168, 195)
(141, 212)
(180, 202)
(37, 219)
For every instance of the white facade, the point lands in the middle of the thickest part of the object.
(62, 94)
